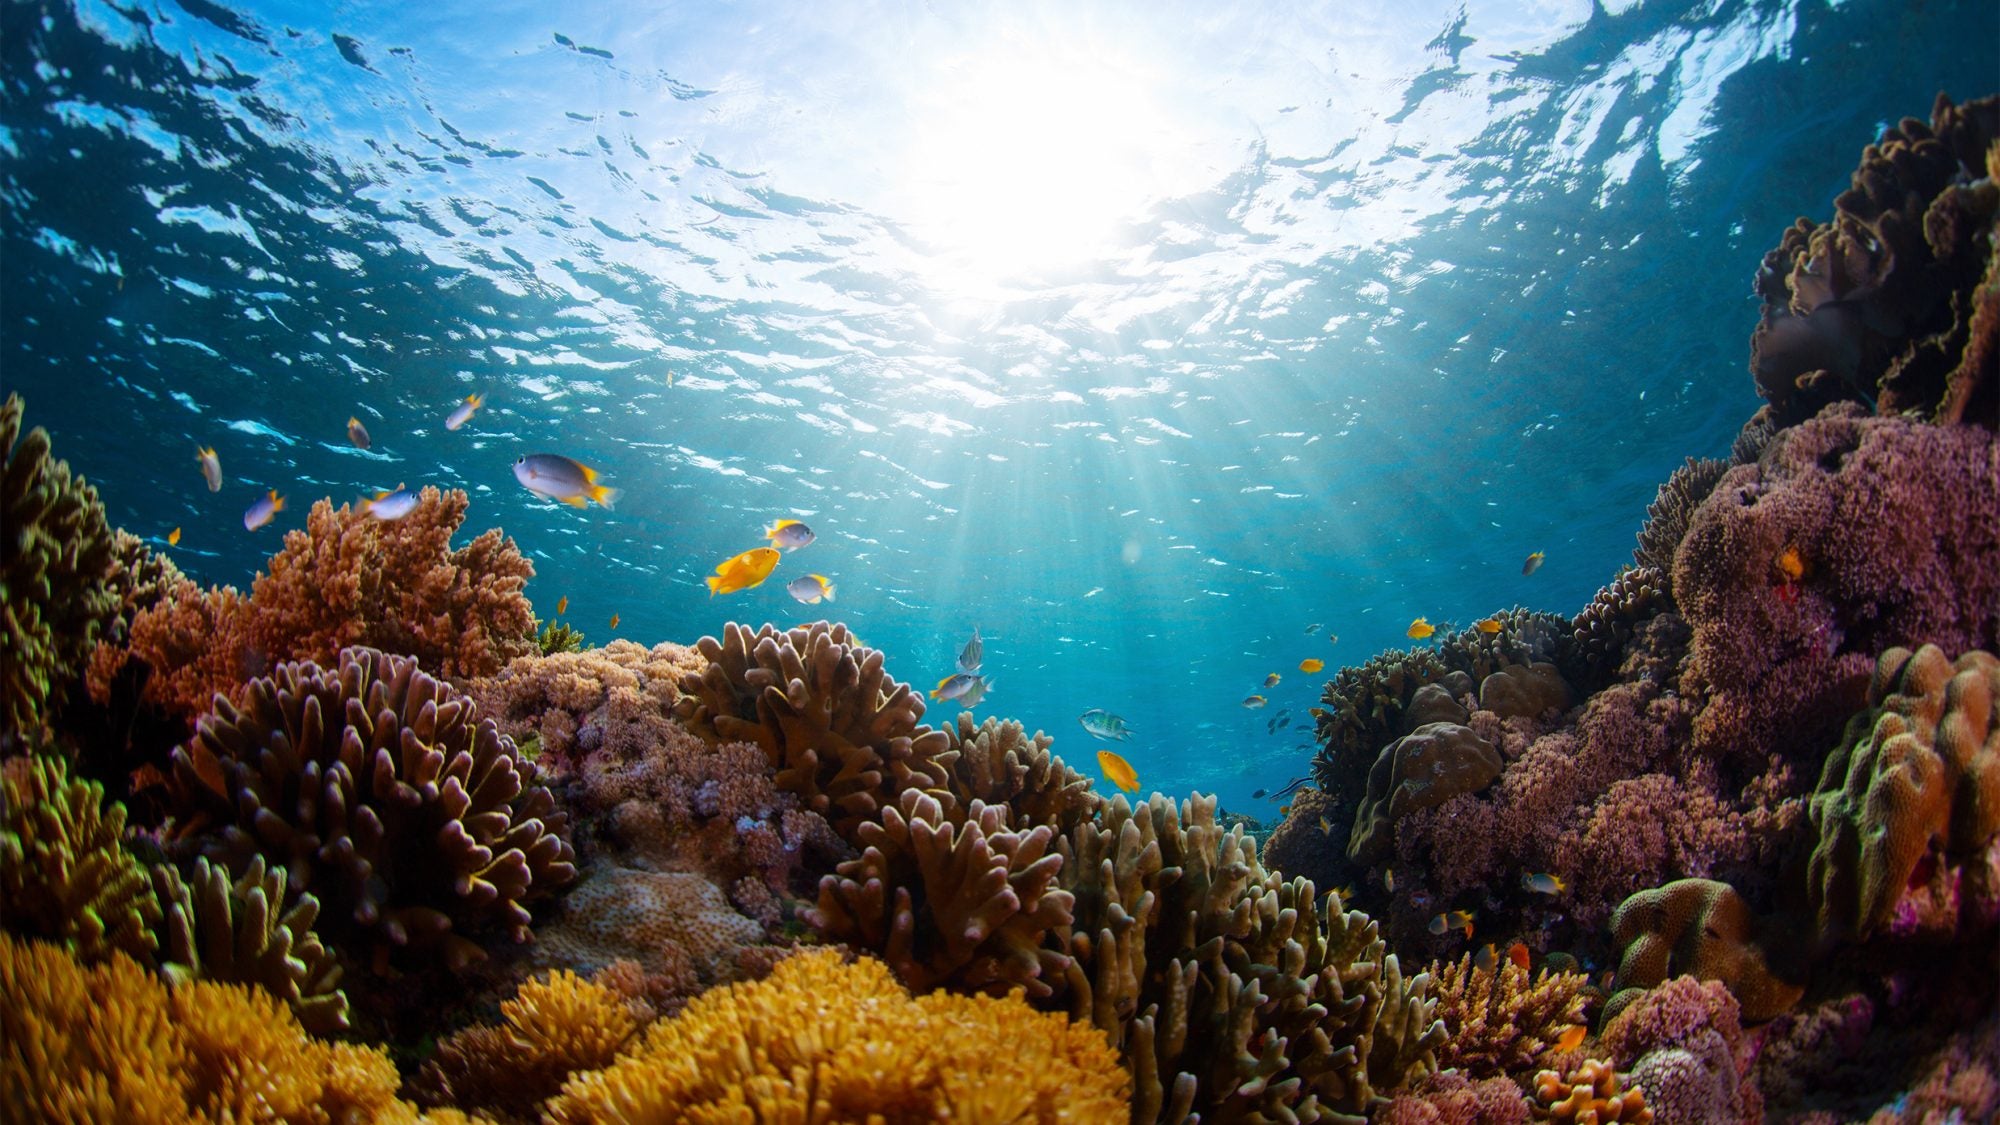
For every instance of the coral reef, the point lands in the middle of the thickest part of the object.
(378, 789)
(614, 702)
(1602, 630)
(1499, 1020)
(183, 650)
(1683, 1043)
(675, 925)
(872, 1054)
(56, 559)
(1421, 770)
(1892, 302)
(1702, 928)
(232, 932)
(557, 1025)
(1908, 797)
(1889, 524)
(835, 729)
(1448, 1097)
(1673, 507)
(64, 875)
(112, 1043)
(1589, 1095)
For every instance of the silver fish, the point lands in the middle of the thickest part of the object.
(1099, 723)
(263, 511)
(969, 656)
(391, 505)
(463, 414)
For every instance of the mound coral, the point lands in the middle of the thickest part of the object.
(1421, 770)
(872, 1053)
(232, 932)
(1892, 302)
(64, 875)
(112, 1043)
(1683, 1043)
(55, 565)
(1889, 526)
(379, 790)
(835, 729)
(614, 702)
(557, 1025)
(1702, 928)
(1909, 795)
(1499, 1020)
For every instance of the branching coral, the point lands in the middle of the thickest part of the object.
(1601, 631)
(837, 731)
(112, 1043)
(188, 646)
(557, 1025)
(1450, 1098)
(1672, 508)
(820, 1040)
(1883, 303)
(1909, 795)
(378, 789)
(233, 933)
(1888, 526)
(614, 702)
(64, 875)
(1703, 928)
(999, 763)
(1499, 1021)
(55, 566)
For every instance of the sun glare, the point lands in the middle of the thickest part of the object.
(1021, 160)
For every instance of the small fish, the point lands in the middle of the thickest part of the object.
(1271, 680)
(174, 537)
(463, 414)
(1332, 639)
(1284, 810)
(555, 477)
(973, 652)
(1533, 564)
(1312, 628)
(1791, 565)
(1517, 955)
(1118, 770)
(1606, 979)
(1487, 959)
(789, 534)
(1542, 883)
(357, 433)
(741, 572)
(1345, 893)
(1452, 920)
(1420, 628)
(812, 589)
(614, 621)
(1099, 723)
(1283, 721)
(211, 467)
(1572, 1038)
(1311, 664)
(263, 511)
(1255, 701)
(953, 686)
(975, 693)
(1289, 787)
(562, 604)
(1389, 879)
(1487, 625)
(391, 505)
(1324, 827)
(1258, 794)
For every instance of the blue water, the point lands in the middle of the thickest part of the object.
(1141, 336)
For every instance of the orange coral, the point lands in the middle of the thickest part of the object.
(192, 641)
(557, 1025)
(1589, 1095)
(826, 1041)
(1703, 928)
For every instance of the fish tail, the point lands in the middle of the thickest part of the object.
(277, 501)
(603, 495)
(829, 592)
(576, 501)
(714, 586)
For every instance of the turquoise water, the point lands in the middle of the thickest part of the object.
(1140, 336)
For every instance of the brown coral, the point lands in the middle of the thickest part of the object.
(675, 925)
(557, 1025)
(380, 790)
(1421, 770)
(64, 874)
(1499, 1020)
(615, 702)
(188, 646)
(232, 932)
(1910, 793)
(1703, 928)
(871, 1053)
(55, 565)
(1600, 633)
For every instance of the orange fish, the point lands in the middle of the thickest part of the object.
(174, 537)
(1487, 625)
(1419, 629)
(1571, 1039)
(1791, 565)
(743, 571)
(1118, 770)
(1518, 954)
(562, 603)
(614, 621)
(1310, 665)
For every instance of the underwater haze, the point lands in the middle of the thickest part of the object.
(1143, 337)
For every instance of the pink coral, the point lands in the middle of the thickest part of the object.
(1889, 523)
(1450, 1098)
(617, 700)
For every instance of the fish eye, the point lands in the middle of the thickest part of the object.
(521, 460)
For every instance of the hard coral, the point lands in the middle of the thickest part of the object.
(378, 789)
(1421, 770)
(1589, 1095)
(675, 925)
(1600, 632)
(872, 1054)
(1890, 526)
(837, 731)
(1910, 794)
(232, 932)
(1683, 1044)
(614, 702)
(64, 874)
(1672, 508)
(1888, 303)
(184, 649)
(1498, 1020)
(1703, 928)
(55, 567)
(1448, 1097)
(557, 1025)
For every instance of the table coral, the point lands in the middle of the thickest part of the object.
(1891, 302)
(1910, 793)
(1890, 523)
(1703, 928)
(64, 874)
(233, 932)
(556, 1025)
(381, 791)
(823, 1040)
(1499, 1020)
(55, 565)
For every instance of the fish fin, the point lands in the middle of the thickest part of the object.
(600, 493)
(576, 501)
(714, 586)
(277, 501)
(828, 595)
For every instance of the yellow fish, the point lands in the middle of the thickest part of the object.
(1452, 920)
(1791, 565)
(1310, 665)
(1272, 680)
(1420, 628)
(174, 537)
(1487, 625)
(1533, 564)
(1571, 1039)
(357, 433)
(562, 604)
(743, 571)
(614, 621)
(1255, 701)
(1118, 770)
(1543, 883)
(1324, 827)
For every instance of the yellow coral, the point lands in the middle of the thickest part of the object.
(1499, 1021)
(111, 1042)
(820, 1040)
(1590, 1095)
(555, 1026)
(64, 875)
